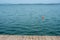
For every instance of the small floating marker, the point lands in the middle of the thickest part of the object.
(42, 18)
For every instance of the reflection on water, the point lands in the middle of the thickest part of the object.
(27, 19)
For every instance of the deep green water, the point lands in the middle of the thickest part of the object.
(26, 19)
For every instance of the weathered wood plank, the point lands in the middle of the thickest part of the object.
(17, 37)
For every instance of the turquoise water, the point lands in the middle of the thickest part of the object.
(27, 19)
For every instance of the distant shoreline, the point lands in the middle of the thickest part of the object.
(33, 4)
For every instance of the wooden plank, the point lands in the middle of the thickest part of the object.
(18, 37)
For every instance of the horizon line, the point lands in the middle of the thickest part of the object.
(29, 3)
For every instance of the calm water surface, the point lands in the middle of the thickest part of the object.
(26, 19)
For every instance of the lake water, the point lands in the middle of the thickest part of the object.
(27, 19)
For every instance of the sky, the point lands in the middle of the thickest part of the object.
(29, 1)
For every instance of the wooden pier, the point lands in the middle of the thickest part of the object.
(18, 37)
